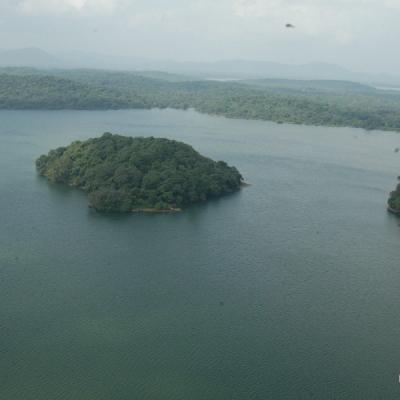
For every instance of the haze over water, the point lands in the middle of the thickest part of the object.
(289, 289)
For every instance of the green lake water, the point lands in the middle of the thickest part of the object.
(289, 289)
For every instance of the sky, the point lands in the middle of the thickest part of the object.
(359, 34)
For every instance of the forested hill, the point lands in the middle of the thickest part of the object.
(311, 86)
(123, 174)
(329, 103)
(48, 92)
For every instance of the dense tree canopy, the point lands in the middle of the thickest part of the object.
(123, 174)
(394, 199)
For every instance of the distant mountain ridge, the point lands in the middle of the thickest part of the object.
(247, 69)
(28, 57)
(220, 70)
(262, 69)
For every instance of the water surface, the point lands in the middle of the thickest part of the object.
(289, 289)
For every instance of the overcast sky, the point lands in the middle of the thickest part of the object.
(361, 34)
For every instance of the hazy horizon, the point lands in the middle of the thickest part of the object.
(350, 34)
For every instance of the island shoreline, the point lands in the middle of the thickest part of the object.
(393, 211)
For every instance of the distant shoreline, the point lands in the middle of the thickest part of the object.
(156, 211)
(309, 103)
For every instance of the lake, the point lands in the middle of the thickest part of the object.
(289, 289)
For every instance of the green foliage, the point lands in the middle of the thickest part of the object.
(394, 199)
(52, 93)
(121, 174)
(330, 103)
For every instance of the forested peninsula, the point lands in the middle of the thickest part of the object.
(126, 174)
(394, 200)
(327, 103)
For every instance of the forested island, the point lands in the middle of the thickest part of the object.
(126, 174)
(394, 200)
(328, 103)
